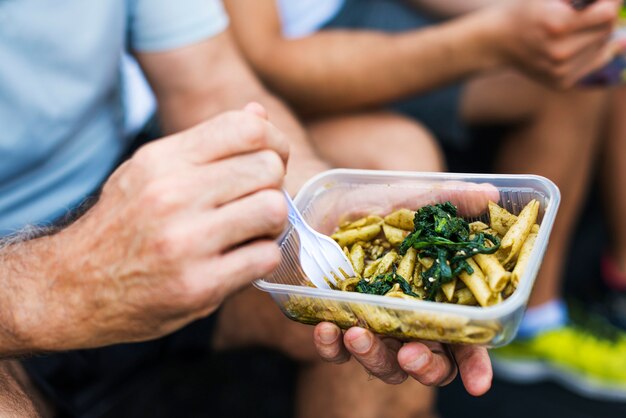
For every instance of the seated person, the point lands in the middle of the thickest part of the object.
(155, 249)
(453, 66)
(613, 180)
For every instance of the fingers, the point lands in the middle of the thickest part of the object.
(230, 134)
(475, 368)
(239, 176)
(597, 61)
(561, 19)
(260, 215)
(239, 266)
(376, 356)
(256, 109)
(427, 362)
(602, 12)
(430, 363)
(329, 343)
(585, 43)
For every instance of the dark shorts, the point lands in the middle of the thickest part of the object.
(438, 110)
(88, 383)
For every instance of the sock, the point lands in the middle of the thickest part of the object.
(546, 317)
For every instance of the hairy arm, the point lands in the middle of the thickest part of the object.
(22, 258)
(198, 81)
(344, 70)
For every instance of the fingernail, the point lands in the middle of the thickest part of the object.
(362, 343)
(418, 363)
(328, 335)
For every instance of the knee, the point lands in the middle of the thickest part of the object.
(407, 146)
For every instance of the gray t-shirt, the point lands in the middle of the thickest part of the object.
(61, 117)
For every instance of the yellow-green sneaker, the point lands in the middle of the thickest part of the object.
(589, 364)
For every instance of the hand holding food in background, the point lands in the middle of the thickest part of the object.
(185, 222)
(555, 41)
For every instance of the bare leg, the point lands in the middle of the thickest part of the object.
(349, 392)
(556, 135)
(614, 175)
(18, 398)
(375, 141)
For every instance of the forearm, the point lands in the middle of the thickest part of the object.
(451, 8)
(346, 70)
(32, 269)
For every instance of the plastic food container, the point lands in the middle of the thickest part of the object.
(338, 195)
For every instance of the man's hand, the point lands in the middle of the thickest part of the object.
(188, 220)
(553, 41)
(391, 361)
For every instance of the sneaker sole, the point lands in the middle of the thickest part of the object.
(529, 372)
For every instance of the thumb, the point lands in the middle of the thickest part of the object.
(256, 109)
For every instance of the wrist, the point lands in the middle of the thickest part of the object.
(493, 36)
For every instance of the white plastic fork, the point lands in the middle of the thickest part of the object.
(321, 258)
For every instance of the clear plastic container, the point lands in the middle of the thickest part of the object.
(338, 195)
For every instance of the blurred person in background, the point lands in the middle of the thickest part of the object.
(613, 181)
(455, 65)
(157, 249)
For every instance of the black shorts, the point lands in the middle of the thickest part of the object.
(89, 383)
(438, 110)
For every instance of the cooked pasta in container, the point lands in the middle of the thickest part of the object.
(442, 257)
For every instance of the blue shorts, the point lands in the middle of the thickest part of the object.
(438, 110)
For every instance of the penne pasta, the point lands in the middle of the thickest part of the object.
(407, 264)
(464, 297)
(476, 283)
(427, 262)
(497, 276)
(516, 235)
(402, 219)
(501, 220)
(522, 260)
(417, 276)
(448, 289)
(508, 290)
(371, 268)
(350, 236)
(386, 262)
(357, 258)
(478, 226)
(394, 235)
(348, 284)
(360, 223)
